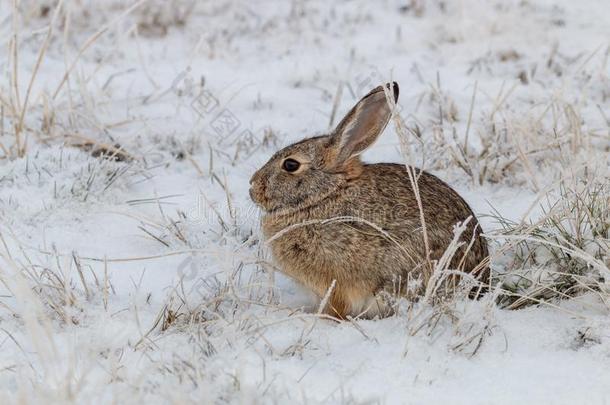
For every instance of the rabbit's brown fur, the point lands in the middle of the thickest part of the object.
(324, 218)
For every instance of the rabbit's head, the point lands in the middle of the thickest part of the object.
(314, 168)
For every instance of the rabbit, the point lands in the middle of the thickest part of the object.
(348, 230)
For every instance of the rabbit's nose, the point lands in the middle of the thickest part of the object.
(255, 177)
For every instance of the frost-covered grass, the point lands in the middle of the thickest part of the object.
(131, 264)
(567, 251)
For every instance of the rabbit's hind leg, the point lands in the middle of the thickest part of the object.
(338, 305)
(357, 303)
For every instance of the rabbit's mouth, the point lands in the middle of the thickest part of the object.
(253, 195)
(257, 195)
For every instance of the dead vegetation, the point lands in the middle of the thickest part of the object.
(566, 252)
(499, 144)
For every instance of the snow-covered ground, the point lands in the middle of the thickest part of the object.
(145, 278)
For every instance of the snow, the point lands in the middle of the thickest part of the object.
(273, 69)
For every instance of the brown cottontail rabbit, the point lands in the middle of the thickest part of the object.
(331, 218)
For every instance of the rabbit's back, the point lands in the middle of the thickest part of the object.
(388, 185)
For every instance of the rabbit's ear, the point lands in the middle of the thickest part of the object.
(363, 124)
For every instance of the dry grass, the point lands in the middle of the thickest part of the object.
(498, 144)
(16, 105)
(566, 252)
(14, 108)
(63, 285)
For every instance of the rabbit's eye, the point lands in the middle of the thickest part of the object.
(290, 165)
